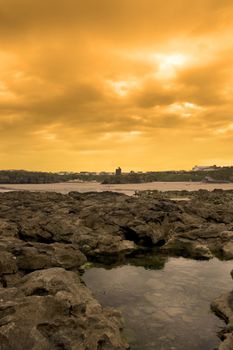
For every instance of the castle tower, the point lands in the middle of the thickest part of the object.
(118, 171)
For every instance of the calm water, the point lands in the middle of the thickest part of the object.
(166, 308)
(128, 189)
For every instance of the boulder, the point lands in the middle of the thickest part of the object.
(50, 310)
(35, 256)
(187, 248)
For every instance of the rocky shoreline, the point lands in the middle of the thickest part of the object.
(223, 307)
(46, 238)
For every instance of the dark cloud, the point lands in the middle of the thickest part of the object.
(205, 83)
(154, 94)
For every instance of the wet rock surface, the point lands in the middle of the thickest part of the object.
(49, 236)
(223, 307)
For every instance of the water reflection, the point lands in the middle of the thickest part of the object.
(165, 307)
(149, 259)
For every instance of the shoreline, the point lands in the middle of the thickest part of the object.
(128, 189)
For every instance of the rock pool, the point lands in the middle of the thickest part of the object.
(165, 304)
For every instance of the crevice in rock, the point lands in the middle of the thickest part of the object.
(6, 311)
(100, 344)
(36, 238)
(3, 282)
(160, 243)
(131, 235)
(40, 292)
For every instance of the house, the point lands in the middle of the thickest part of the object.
(205, 168)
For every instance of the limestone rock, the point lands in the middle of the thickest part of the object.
(51, 309)
(223, 307)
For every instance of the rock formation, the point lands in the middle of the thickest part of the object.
(45, 238)
(223, 307)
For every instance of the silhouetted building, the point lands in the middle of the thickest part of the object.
(118, 171)
(205, 168)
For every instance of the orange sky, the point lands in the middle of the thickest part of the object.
(93, 84)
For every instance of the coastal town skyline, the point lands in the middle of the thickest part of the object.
(119, 171)
(89, 84)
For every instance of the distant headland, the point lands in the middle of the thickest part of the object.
(207, 174)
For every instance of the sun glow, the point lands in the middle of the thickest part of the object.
(166, 64)
(174, 60)
(169, 64)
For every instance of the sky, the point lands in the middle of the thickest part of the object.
(89, 85)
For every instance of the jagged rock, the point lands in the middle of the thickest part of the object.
(100, 223)
(223, 307)
(188, 248)
(51, 309)
(8, 228)
(39, 256)
(7, 263)
(50, 233)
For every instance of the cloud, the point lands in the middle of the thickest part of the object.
(205, 83)
(86, 80)
(154, 94)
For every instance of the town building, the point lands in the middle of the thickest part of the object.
(118, 171)
(205, 168)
